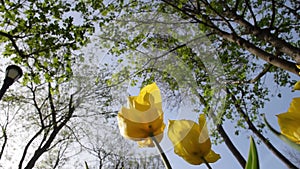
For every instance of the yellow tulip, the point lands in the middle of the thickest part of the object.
(289, 121)
(297, 86)
(144, 117)
(191, 141)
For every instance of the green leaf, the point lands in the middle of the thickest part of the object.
(253, 162)
(25, 79)
(36, 79)
(48, 77)
(97, 80)
(282, 137)
(86, 165)
(104, 12)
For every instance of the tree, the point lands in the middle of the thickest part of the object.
(47, 118)
(62, 124)
(252, 39)
(107, 155)
(44, 38)
(211, 55)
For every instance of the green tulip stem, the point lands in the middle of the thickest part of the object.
(161, 152)
(206, 163)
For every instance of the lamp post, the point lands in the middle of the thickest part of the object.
(12, 74)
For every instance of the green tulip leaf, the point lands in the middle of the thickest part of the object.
(282, 137)
(86, 165)
(253, 162)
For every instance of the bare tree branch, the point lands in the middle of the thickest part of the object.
(267, 36)
(53, 111)
(278, 62)
(13, 42)
(27, 147)
(4, 137)
(273, 15)
(263, 34)
(251, 12)
(261, 74)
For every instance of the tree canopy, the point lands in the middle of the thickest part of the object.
(213, 55)
(251, 39)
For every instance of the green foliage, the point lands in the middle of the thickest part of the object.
(86, 165)
(158, 41)
(253, 162)
(45, 39)
(44, 36)
(153, 32)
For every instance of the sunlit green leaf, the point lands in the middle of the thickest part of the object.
(253, 162)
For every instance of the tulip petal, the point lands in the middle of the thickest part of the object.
(140, 130)
(289, 125)
(203, 128)
(186, 132)
(194, 158)
(289, 121)
(136, 105)
(150, 90)
(297, 86)
(149, 95)
(282, 137)
(143, 118)
(130, 129)
(212, 157)
(295, 106)
(190, 141)
(178, 129)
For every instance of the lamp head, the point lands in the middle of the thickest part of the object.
(13, 72)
